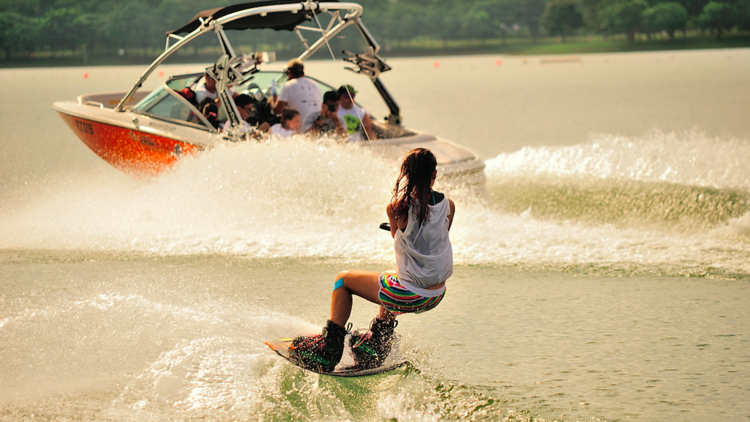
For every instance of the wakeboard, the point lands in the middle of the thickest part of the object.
(346, 367)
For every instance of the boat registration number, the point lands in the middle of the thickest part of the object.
(85, 127)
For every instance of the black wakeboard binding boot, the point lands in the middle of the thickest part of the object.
(321, 352)
(371, 347)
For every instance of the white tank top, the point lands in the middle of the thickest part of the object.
(424, 256)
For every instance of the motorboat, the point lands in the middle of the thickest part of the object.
(140, 132)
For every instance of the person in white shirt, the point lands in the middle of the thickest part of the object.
(420, 220)
(290, 124)
(208, 90)
(357, 119)
(299, 93)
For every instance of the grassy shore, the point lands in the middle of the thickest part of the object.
(573, 45)
(417, 47)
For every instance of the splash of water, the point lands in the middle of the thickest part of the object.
(662, 203)
(689, 158)
(292, 198)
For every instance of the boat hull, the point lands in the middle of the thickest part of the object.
(141, 145)
(133, 151)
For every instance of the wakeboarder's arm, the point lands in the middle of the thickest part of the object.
(396, 224)
(452, 213)
(391, 219)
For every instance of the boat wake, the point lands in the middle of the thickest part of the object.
(689, 159)
(204, 360)
(277, 199)
(660, 203)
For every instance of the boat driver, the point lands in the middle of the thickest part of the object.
(300, 92)
(208, 90)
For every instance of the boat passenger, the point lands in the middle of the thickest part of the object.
(326, 121)
(179, 110)
(210, 111)
(262, 114)
(208, 90)
(290, 123)
(300, 92)
(190, 96)
(244, 105)
(420, 219)
(357, 119)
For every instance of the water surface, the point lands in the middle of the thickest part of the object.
(604, 274)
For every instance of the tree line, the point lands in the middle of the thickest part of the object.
(28, 26)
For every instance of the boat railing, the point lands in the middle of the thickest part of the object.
(94, 103)
(110, 99)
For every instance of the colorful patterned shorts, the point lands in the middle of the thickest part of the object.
(398, 300)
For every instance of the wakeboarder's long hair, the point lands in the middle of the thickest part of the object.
(413, 184)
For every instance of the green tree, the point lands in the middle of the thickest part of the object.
(477, 23)
(742, 13)
(401, 19)
(529, 14)
(621, 16)
(590, 11)
(128, 25)
(694, 7)
(442, 20)
(488, 19)
(561, 17)
(65, 28)
(669, 17)
(717, 17)
(12, 25)
(506, 15)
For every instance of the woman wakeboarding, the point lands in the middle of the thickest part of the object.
(420, 219)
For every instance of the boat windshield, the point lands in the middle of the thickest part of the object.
(167, 103)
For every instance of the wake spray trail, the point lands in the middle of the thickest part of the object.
(663, 203)
(292, 198)
(298, 199)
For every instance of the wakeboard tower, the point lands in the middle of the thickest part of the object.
(146, 133)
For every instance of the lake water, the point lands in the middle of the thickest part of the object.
(604, 276)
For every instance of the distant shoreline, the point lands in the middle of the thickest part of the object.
(512, 47)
